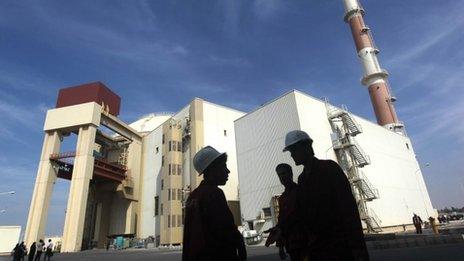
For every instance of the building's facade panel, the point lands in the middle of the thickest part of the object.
(149, 205)
(395, 172)
(219, 132)
(312, 114)
(260, 138)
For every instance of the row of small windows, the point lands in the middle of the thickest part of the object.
(172, 146)
(175, 145)
(175, 169)
(175, 221)
(172, 193)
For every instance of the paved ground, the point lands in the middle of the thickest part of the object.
(433, 253)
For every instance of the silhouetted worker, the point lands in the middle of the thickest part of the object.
(326, 205)
(417, 221)
(287, 232)
(209, 231)
(40, 247)
(31, 252)
(18, 252)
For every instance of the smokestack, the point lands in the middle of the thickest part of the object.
(375, 78)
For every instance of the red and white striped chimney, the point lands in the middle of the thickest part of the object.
(375, 78)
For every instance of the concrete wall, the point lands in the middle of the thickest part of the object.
(312, 115)
(71, 116)
(152, 154)
(395, 172)
(149, 123)
(9, 238)
(216, 120)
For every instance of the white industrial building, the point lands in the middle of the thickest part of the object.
(380, 163)
(134, 180)
(164, 187)
(9, 237)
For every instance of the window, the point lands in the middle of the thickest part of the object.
(169, 220)
(179, 194)
(174, 169)
(156, 205)
(179, 220)
(162, 161)
(407, 146)
(170, 169)
(179, 146)
(169, 144)
(267, 212)
(179, 169)
(162, 139)
(169, 194)
(225, 133)
(161, 209)
(157, 149)
(162, 184)
(173, 220)
(173, 194)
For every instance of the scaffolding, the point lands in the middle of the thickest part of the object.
(352, 159)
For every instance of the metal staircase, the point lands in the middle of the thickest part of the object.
(359, 156)
(351, 157)
(372, 221)
(369, 193)
(352, 126)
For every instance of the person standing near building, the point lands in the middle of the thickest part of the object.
(40, 247)
(287, 232)
(31, 253)
(433, 225)
(326, 205)
(18, 252)
(49, 250)
(209, 231)
(417, 221)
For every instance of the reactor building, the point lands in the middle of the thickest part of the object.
(132, 179)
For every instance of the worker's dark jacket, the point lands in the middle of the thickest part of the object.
(209, 231)
(289, 221)
(330, 214)
(416, 220)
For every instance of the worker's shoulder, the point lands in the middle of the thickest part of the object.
(206, 191)
(332, 169)
(328, 164)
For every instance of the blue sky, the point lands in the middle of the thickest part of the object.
(158, 55)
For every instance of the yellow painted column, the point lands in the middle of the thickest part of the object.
(46, 177)
(197, 139)
(79, 190)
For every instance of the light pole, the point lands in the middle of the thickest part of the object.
(7, 193)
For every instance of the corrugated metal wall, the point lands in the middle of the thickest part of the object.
(260, 139)
(394, 170)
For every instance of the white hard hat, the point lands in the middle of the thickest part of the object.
(204, 157)
(294, 137)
